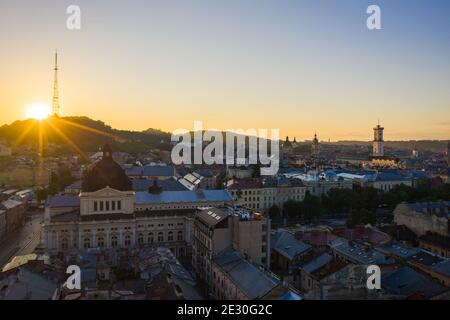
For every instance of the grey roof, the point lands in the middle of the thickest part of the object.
(183, 196)
(426, 258)
(285, 243)
(250, 280)
(439, 208)
(317, 262)
(212, 216)
(9, 204)
(397, 249)
(406, 281)
(359, 253)
(75, 185)
(29, 285)
(63, 201)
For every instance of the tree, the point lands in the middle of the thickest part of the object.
(311, 207)
(361, 216)
(274, 211)
(41, 194)
(292, 209)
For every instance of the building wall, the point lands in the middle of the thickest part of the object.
(388, 185)
(264, 198)
(14, 217)
(223, 287)
(170, 231)
(2, 224)
(251, 238)
(443, 252)
(420, 223)
(317, 188)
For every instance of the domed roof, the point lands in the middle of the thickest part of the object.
(105, 173)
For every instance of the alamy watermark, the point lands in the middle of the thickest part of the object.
(373, 22)
(230, 153)
(74, 280)
(374, 277)
(73, 22)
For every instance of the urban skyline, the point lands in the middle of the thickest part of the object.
(286, 68)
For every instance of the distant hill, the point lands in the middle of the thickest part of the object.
(84, 133)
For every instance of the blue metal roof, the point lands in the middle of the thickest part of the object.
(63, 201)
(153, 171)
(143, 197)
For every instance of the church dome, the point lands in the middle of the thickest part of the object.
(105, 173)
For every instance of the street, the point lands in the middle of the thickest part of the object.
(22, 241)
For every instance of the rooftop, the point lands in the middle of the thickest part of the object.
(406, 281)
(287, 245)
(250, 280)
(61, 201)
(166, 197)
(359, 253)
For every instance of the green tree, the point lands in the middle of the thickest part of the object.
(274, 211)
(292, 209)
(311, 207)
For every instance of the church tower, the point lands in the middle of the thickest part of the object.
(378, 149)
(315, 146)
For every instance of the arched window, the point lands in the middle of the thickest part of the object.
(140, 238)
(150, 238)
(127, 240)
(160, 237)
(180, 235)
(170, 236)
(100, 242)
(87, 243)
(64, 244)
(114, 241)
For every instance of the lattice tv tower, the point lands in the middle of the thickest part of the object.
(55, 101)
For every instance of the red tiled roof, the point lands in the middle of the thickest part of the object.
(316, 238)
(361, 233)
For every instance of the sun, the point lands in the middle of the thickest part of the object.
(38, 111)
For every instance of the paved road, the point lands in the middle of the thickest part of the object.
(22, 241)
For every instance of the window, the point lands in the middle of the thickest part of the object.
(150, 238)
(87, 243)
(127, 240)
(140, 238)
(180, 236)
(100, 242)
(64, 244)
(119, 205)
(113, 205)
(114, 241)
(160, 237)
(95, 206)
(170, 236)
(107, 205)
(101, 205)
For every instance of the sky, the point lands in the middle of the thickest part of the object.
(298, 66)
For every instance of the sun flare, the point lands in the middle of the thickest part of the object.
(38, 111)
